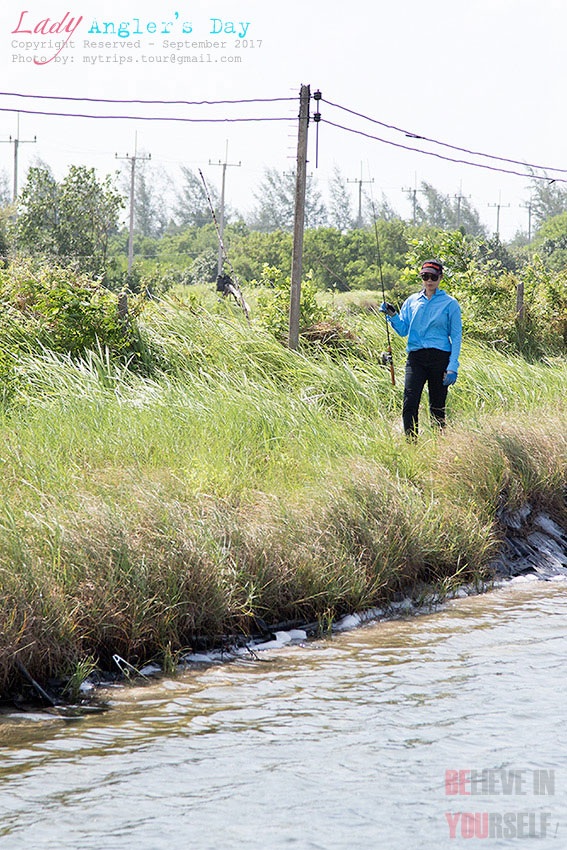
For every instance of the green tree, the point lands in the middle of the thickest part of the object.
(151, 192)
(341, 214)
(88, 211)
(273, 303)
(547, 200)
(60, 310)
(276, 202)
(446, 212)
(5, 194)
(382, 210)
(327, 256)
(71, 221)
(36, 230)
(192, 207)
(250, 252)
(550, 241)
(351, 260)
(5, 199)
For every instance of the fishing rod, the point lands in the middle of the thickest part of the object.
(227, 284)
(387, 356)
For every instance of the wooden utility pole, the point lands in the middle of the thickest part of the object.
(520, 300)
(299, 220)
(224, 165)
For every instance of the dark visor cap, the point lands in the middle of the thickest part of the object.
(432, 267)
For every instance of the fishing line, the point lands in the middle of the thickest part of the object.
(387, 357)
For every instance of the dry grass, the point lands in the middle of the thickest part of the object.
(141, 516)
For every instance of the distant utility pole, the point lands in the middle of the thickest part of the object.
(360, 181)
(498, 208)
(299, 218)
(133, 160)
(412, 195)
(460, 197)
(224, 165)
(529, 207)
(17, 142)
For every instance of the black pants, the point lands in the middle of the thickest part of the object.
(426, 365)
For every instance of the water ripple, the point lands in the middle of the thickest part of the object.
(339, 744)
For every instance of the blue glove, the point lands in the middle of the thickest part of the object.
(389, 309)
(449, 378)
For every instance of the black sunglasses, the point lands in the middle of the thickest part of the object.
(427, 276)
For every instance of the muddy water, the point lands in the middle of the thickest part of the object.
(373, 739)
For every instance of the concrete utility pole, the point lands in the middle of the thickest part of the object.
(412, 194)
(460, 197)
(133, 159)
(299, 220)
(224, 165)
(528, 207)
(17, 142)
(360, 181)
(498, 208)
(520, 284)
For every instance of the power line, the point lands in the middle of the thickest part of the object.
(410, 134)
(149, 102)
(441, 156)
(238, 101)
(258, 119)
(143, 117)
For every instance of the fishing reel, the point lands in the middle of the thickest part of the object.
(227, 286)
(224, 284)
(386, 358)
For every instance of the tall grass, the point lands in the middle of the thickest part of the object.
(242, 481)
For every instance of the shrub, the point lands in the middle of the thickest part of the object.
(274, 301)
(60, 310)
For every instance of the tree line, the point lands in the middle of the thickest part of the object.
(70, 232)
(79, 221)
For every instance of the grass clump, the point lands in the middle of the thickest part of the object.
(237, 481)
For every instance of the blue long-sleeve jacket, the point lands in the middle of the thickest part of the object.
(431, 323)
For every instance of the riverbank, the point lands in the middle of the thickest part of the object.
(534, 547)
(245, 486)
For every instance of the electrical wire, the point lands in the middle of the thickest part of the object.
(142, 117)
(414, 135)
(241, 101)
(149, 102)
(445, 158)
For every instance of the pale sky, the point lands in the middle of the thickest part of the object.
(485, 75)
